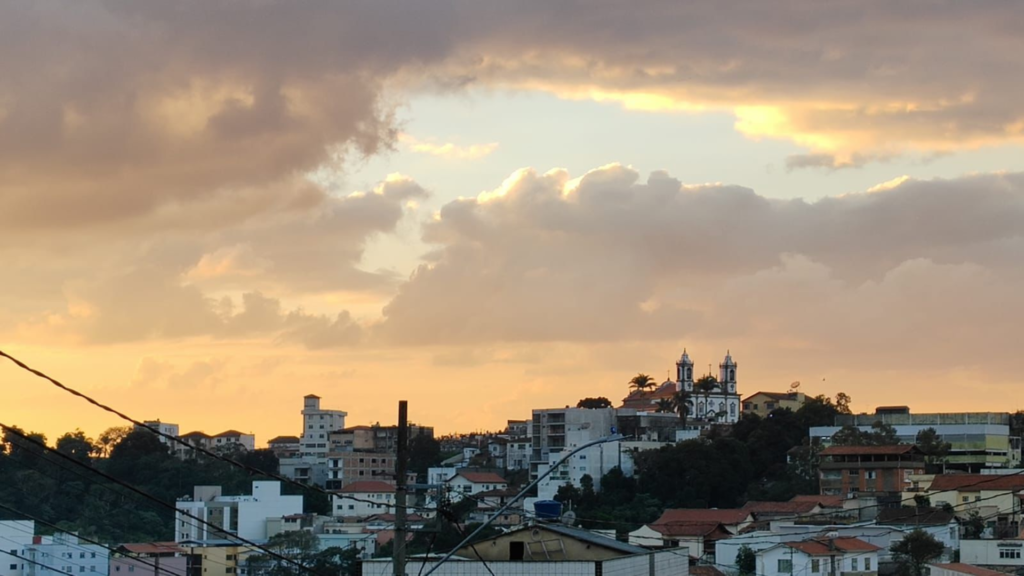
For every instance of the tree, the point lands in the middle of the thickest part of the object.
(843, 403)
(594, 403)
(746, 561)
(849, 436)
(76, 445)
(642, 382)
(922, 501)
(424, 452)
(665, 406)
(706, 385)
(974, 525)
(914, 551)
(882, 434)
(935, 450)
(110, 438)
(683, 402)
(817, 411)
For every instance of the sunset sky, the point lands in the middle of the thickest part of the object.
(209, 208)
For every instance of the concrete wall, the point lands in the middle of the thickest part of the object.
(169, 566)
(14, 535)
(667, 563)
(992, 552)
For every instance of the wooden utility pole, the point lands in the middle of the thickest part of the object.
(401, 457)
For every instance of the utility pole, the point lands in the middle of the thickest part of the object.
(401, 456)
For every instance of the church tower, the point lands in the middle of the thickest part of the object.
(727, 374)
(684, 373)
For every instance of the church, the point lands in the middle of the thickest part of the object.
(718, 402)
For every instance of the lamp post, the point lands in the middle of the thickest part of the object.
(468, 539)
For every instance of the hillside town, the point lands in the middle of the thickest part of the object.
(687, 476)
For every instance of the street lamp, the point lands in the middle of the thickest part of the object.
(468, 539)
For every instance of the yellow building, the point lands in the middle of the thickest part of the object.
(762, 403)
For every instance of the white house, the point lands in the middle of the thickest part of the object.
(364, 498)
(245, 515)
(234, 437)
(15, 535)
(64, 553)
(1003, 552)
(819, 556)
(940, 524)
(471, 483)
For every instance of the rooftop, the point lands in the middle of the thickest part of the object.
(826, 547)
(723, 516)
(689, 528)
(483, 477)
(284, 440)
(968, 569)
(914, 516)
(367, 486)
(825, 501)
(895, 449)
(978, 482)
(228, 433)
(791, 507)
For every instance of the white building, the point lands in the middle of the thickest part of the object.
(471, 483)
(1004, 553)
(783, 532)
(234, 438)
(15, 535)
(364, 498)
(64, 553)
(721, 404)
(517, 453)
(822, 556)
(595, 462)
(245, 516)
(164, 428)
(316, 425)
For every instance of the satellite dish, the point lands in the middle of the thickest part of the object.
(569, 518)
(794, 385)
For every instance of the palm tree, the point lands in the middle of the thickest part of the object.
(683, 404)
(642, 382)
(706, 385)
(665, 405)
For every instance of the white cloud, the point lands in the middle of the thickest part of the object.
(448, 150)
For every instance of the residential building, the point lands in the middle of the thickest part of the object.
(344, 468)
(149, 559)
(15, 536)
(698, 537)
(516, 428)
(763, 403)
(733, 520)
(216, 557)
(996, 497)
(234, 439)
(64, 552)
(1004, 554)
(517, 453)
(940, 524)
(465, 483)
(164, 428)
(194, 440)
(317, 423)
(545, 549)
(822, 556)
(375, 438)
(782, 532)
(244, 515)
(490, 501)
(978, 440)
(364, 498)
(792, 510)
(718, 405)
(284, 446)
(881, 470)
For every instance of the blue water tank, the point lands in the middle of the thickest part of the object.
(548, 509)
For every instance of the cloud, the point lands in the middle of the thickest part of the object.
(913, 267)
(448, 150)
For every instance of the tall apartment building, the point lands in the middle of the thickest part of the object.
(15, 535)
(65, 553)
(317, 424)
(164, 428)
(244, 515)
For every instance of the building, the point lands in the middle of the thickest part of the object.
(244, 515)
(940, 524)
(822, 556)
(216, 557)
(63, 552)
(546, 549)
(698, 537)
(996, 497)
(718, 405)
(344, 468)
(364, 498)
(517, 453)
(792, 510)
(233, 439)
(881, 470)
(164, 428)
(763, 403)
(1004, 554)
(733, 520)
(149, 559)
(490, 501)
(375, 438)
(284, 446)
(15, 536)
(960, 569)
(317, 423)
(465, 483)
(978, 440)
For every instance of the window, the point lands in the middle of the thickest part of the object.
(853, 564)
(229, 557)
(967, 498)
(81, 569)
(351, 506)
(871, 474)
(867, 564)
(14, 566)
(785, 566)
(229, 570)
(815, 565)
(81, 554)
(1009, 553)
(131, 568)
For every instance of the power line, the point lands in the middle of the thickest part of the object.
(157, 500)
(175, 439)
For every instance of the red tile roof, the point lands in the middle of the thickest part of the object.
(690, 529)
(483, 477)
(791, 507)
(895, 449)
(196, 434)
(823, 546)
(978, 482)
(284, 440)
(365, 486)
(725, 516)
(967, 569)
(153, 548)
(825, 501)
(705, 571)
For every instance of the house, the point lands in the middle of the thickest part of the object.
(821, 556)
(545, 549)
(491, 501)
(791, 510)
(216, 557)
(466, 483)
(153, 558)
(960, 569)
(762, 403)
(244, 515)
(15, 536)
(364, 498)
(994, 496)
(698, 537)
(881, 470)
(284, 446)
(732, 520)
(942, 525)
(234, 439)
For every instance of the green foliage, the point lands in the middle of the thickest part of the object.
(881, 434)
(746, 561)
(817, 411)
(642, 382)
(914, 551)
(301, 547)
(843, 403)
(935, 450)
(696, 473)
(424, 452)
(974, 525)
(922, 501)
(594, 403)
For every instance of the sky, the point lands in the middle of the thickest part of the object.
(211, 208)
